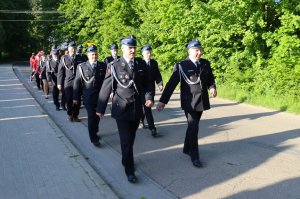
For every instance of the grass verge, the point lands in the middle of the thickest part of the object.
(281, 103)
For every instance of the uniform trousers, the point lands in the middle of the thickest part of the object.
(37, 80)
(72, 109)
(127, 131)
(42, 84)
(191, 137)
(93, 121)
(149, 117)
(55, 95)
(63, 99)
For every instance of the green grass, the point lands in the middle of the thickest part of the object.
(281, 103)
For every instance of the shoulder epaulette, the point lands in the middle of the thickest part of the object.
(115, 60)
(81, 63)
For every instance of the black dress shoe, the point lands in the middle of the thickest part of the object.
(57, 108)
(96, 144)
(197, 163)
(153, 132)
(64, 108)
(131, 178)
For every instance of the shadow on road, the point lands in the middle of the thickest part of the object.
(224, 161)
(290, 186)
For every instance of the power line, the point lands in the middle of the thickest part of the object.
(12, 20)
(58, 20)
(36, 12)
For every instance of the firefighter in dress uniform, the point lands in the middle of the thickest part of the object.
(88, 82)
(65, 80)
(114, 54)
(79, 53)
(127, 77)
(51, 74)
(63, 50)
(154, 76)
(196, 78)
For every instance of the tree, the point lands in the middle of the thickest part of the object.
(44, 27)
(245, 40)
(14, 34)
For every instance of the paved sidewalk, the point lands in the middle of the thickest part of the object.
(37, 160)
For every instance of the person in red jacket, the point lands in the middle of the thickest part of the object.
(34, 68)
(31, 62)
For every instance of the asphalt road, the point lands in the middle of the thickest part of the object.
(36, 159)
(248, 152)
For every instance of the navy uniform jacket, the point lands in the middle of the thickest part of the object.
(127, 102)
(67, 70)
(51, 70)
(88, 81)
(109, 59)
(154, 73)
(193, 97)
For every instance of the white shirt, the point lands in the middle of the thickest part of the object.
(128, 60)
(195, 62)
(92, 64)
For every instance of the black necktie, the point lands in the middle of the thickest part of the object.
(94, 67)
(130, 64)
(72, 58)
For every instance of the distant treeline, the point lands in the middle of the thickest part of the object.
(253, 45)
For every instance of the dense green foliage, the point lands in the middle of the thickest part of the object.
(253, 45)
(44, 28)
(10, 37)
(25, 31)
